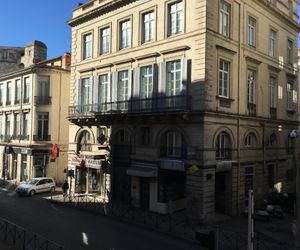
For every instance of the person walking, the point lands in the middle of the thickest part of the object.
(65, 188)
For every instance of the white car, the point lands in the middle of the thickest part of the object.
(36, 185)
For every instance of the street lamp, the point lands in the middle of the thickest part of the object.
(295, 134)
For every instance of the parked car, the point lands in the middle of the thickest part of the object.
(36, 185)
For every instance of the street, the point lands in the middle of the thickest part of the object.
(76, 229)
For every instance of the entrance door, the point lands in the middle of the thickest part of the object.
(144, 192)
(220, 192)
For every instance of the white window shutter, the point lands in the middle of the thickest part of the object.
(95, 92)
(78, 92)
(114, 90)
(184, 76)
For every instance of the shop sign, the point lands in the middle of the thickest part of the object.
(77, 161)
(91, 163)
(172, 165)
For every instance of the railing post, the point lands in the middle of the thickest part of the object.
(24, 239)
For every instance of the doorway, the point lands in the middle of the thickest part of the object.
(144, 193)
(220, 192)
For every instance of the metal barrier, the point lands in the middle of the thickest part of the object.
(23, 239)
(177, 224)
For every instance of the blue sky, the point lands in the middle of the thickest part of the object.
(22, 21)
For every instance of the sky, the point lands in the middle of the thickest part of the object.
(22, 21)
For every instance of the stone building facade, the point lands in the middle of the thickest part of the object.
(14, 58)
(183, 104)
(33, 110)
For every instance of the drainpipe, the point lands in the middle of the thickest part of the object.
(238, 111)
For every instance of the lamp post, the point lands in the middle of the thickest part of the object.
(295, 134)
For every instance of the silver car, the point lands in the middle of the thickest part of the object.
(36, 185)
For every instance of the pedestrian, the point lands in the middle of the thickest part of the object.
(65, 188)
(294, 229)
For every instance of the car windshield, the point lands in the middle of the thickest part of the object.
(33, 182)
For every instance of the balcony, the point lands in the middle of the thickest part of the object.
(185, 153)
(8, 103)
(17, 101)
(172, 103)
(24, 137)
(15, 137)
(223, 153)
(7, 138)
(42, 100)
(252, 109)
(26, 100)
(42, 137)
(273, 113)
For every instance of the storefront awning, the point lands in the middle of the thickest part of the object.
(142, 172)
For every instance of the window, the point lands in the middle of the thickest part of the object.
(87, 46)
(223, 146)
(249, 140)
(44, 86)
(26, 90)
(173, 144)
(146, 86)
(251, 86)
(173, 83)
(272, 43)
(104, 91)
(224, 19)
(104, 40)
(125, 34)
(1, 125)
(17, 126)
(145, 138)
(86, 91)
(123, 84)
(272, 92)
(1, 94)
(224, 78)
(84, 142)
(7, 126)
(290, 52)
(8, 93)
(15, 166)
(25, 126)
(175, 18)
(148, 28)
(24, 176)
(43, 120)
(251, 31)
(17, 91)
(289, 89)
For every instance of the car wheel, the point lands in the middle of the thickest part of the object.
(32, 193)
(52, 189)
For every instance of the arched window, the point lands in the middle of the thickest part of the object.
(223, 146)
(250, 140)
(172, 143)
(84, 142)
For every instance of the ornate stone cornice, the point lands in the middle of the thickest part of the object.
(101, 10)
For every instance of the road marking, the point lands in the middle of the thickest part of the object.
(85, 238)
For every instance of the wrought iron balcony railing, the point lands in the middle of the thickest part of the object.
(179, 152)
(252, 109)
(24, 137)
(26, 100)
(167, 103)
(15, 137)
(273, 113)
(223, 153)
(42, 137)
(17, 101)
(42, 100)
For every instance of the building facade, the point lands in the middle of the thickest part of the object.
(33, 124)
(180, 104)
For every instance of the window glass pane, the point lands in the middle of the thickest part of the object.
(86, 91)
(175, 18)
(87, 46)
(125, 34)
(174, 77)
(148, 27)
(105, 40)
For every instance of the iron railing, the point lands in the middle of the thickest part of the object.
(167, 103)
(24, 239)
(179, 152)
(42, 137)
(178, 224)
(42, 100)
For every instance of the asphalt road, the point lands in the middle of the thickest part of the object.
(77, 229)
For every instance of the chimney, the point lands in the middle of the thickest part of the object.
(66, 60)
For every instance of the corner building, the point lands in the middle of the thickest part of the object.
(183, 104)
(33, 109)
